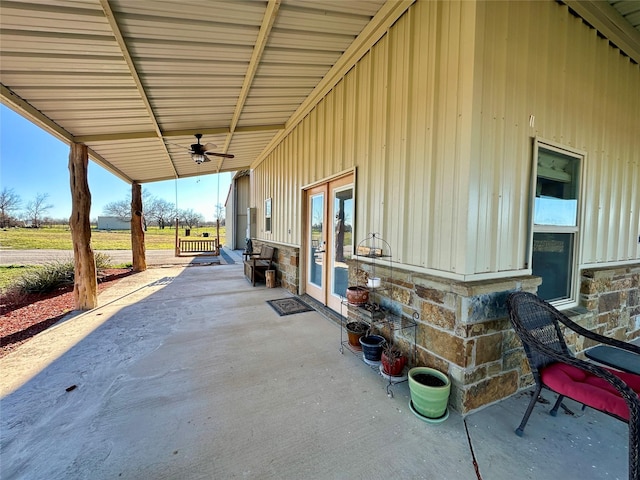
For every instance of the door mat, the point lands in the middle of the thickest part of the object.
(289, 306)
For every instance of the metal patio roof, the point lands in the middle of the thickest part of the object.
(134, 80)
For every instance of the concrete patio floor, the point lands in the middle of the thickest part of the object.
(187, 373)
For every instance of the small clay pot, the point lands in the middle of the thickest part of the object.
(355, 330)
(357, 295)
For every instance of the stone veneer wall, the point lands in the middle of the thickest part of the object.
(612, 295)
(463, 329)
(609, 304)
(286, 265)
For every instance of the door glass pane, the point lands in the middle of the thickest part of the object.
(552, 260)
(316, 244)
(557, 182)
(342, 238)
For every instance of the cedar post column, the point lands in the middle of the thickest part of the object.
(85, 282)
(137, 229)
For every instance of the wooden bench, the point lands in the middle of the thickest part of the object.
(257, 265)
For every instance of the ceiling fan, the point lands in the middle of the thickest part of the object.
(199, 153)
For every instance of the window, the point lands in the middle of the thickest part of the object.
(267, 215)
(556, 222)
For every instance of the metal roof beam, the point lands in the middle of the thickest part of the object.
(117, 33)
(107, 137)
(261, 41)
(16, 103)
(100, 160)
(375, 29)
(24, 108)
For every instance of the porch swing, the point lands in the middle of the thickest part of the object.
(206, 245)
(203, 245)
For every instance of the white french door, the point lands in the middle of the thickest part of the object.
(329, 239)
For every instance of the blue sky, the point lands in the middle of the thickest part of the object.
(34, 162)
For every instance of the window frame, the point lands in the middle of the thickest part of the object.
(576, 230)
(268, 227)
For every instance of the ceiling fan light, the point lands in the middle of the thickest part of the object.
(198, 158)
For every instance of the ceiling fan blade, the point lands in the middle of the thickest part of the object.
(209, 146)
(223, 155)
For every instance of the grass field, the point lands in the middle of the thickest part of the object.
(9, 274)
(59, 238)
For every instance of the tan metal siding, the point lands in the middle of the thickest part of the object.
(436, 120)
(534, 58)
(390, 118)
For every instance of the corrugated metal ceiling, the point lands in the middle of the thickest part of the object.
(135, 79)
(629, 9)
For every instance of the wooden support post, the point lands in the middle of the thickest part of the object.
(137, 229)
(85, 283)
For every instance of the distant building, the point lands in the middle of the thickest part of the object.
(113, 223)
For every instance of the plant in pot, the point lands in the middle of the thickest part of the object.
(355, 330)
(372, 348)
(429, 389)
(393, 361)
(357, 295)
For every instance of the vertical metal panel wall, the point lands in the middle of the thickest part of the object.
(436, 119)
(536, 59)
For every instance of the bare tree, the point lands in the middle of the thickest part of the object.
(120, 209)
(190, 218)
(10, 202)
(37, 207)
(161, 211)
(219, 213)
(148, 201)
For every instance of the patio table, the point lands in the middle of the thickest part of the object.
(615, 357)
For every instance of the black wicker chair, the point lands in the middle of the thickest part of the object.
(537, 323)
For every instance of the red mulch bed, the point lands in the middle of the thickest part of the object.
(23, 316)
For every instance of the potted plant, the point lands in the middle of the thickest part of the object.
(355, 330)
(357, 295)
(372, 348)
(393, 361)
(429, 391)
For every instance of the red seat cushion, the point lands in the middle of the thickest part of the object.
(589, 389)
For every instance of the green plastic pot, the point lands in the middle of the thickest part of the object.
(428, 400)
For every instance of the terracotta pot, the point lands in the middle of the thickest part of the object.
(355, 330)
(394, 368)
(357, 295)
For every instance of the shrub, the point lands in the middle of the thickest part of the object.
(103, 261)
(11, 296)
(56, 274)
(46, 279)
